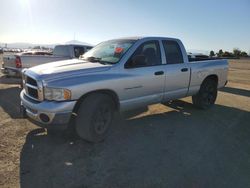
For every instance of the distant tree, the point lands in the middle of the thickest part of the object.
(227, 54)
(236, 52)
(243, 54)
(220, 53)
(212, 54)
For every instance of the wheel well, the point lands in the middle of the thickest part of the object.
(110, 93)
(212, 77)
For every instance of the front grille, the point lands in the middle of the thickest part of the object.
(31, 87)
(31, 81)
(32, 92)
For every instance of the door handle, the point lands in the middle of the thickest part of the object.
(184, 69)
(159, 73)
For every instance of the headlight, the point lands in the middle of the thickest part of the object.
(57, 94)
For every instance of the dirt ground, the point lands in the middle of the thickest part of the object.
(167, 146)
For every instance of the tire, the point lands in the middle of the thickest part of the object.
(207, 94)
(94, 117)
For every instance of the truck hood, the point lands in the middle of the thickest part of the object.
(66, 68)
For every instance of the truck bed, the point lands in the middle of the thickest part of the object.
(201, 69)
(191, 59)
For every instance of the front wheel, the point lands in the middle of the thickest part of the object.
(207, 94)
(94, 117)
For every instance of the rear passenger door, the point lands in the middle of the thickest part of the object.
(177, 71)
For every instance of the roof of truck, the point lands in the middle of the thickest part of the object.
(144, 37)
(88, 45)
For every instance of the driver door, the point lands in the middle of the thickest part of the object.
(144, 79)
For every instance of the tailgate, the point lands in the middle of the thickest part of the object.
(34, 60)
(9, 61)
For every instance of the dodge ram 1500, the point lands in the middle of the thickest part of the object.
(117, 75)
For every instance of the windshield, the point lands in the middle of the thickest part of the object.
(108, 52)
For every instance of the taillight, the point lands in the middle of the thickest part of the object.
(18, 62)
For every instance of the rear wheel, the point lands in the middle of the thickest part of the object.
(94, 117)
(207, 94)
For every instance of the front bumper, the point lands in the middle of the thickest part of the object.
(58, 114)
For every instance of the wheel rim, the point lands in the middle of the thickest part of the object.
(209, 95)
(102, 119)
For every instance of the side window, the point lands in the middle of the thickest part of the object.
(88, 48)
(78, 51)
(173, 52)
(147, 54)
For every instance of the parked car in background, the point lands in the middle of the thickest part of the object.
(117, 75)
(13, 64)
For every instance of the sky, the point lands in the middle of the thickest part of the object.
(200, 24)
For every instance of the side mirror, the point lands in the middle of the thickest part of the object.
(136, 61)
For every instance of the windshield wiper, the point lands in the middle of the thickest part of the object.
(93, 59)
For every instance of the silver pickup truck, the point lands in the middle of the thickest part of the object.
(117, 75)
(13, 64)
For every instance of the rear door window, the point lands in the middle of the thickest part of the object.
(78, 50)
(173, 52)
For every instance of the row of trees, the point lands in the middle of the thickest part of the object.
(237, 53)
